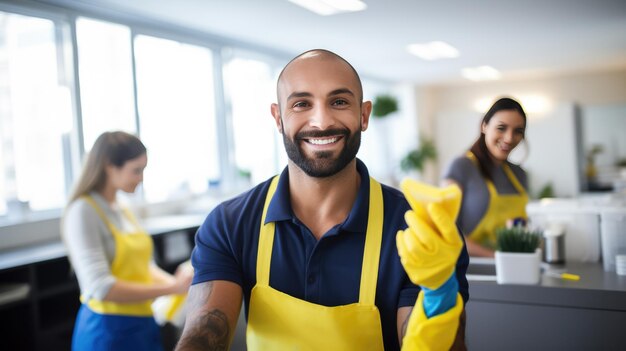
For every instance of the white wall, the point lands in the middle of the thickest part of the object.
(552, 157)
(387, 140)
(549, 103)
(610, 133)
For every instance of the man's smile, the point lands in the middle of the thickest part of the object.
(323, 141)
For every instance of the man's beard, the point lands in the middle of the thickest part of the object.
(322, 164)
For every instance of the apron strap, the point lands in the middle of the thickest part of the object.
(129, 215)
(266, 240)
(507, 170)
(101, 214)
(472, 157)
(373, 238)
(371, 252)
(518, 186)
(491, 188)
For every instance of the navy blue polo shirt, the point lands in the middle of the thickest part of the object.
(325, 272)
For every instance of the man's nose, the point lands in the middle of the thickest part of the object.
(322, 118)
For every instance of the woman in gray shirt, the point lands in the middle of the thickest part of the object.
(494, 190)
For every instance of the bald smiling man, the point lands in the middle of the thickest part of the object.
(312, 252)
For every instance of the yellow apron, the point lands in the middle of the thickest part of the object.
(501, 208)
(133, 252)
(278, 321)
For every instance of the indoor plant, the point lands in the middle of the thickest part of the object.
(416, 159)
(591, 171)
(518, 256)
(384, 105)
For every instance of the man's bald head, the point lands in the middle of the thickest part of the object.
(319, 55)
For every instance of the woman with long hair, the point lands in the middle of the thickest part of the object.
(494, 189)
(112, 255)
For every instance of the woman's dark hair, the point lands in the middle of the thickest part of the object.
(479, 149)
(115, 148)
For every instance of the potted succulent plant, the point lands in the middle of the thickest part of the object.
(518, 256)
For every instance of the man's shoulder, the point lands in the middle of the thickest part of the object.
(250, 200)
(392, 192)
(233, 216)
(393, 198)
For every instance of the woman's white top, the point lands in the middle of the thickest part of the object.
(90, 244)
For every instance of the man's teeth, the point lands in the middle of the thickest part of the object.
(322, 141)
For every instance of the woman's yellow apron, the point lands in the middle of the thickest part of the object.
(133, 252)
(278, 321)
(107, 325)
(501, 208)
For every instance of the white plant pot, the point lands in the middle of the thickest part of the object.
(518, 268)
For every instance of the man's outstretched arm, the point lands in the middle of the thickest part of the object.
(212, 311)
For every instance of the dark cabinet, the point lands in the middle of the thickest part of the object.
(38, 303)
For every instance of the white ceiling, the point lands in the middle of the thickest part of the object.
(524, 38)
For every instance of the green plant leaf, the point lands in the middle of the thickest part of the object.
(384, 105)
(546, 191)
(517, 239)
(416, 159)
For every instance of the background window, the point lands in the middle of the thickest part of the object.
(251, 88)
(35, 116)
(106, 78)
(175, 97)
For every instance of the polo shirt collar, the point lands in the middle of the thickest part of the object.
(280, 206)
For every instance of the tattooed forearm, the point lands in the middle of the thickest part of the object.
(198, 295)
(205, 329)
(209, 332)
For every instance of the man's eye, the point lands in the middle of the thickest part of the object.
(340, 102)
(300, 104)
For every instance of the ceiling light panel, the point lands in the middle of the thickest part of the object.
(331, 7)
(434, 50)
(481, 73)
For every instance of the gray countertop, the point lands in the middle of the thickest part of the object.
(52, 250)
(596, 289)
(165, 224)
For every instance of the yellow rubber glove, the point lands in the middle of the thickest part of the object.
(435, 333)
(429, 249)
(430, 246)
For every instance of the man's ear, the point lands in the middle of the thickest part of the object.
(366, 110)
(277, 119)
